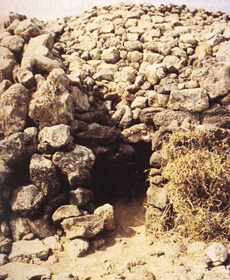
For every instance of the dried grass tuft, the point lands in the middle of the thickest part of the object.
(196, 166)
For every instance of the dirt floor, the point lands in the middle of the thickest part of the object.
(129, 254)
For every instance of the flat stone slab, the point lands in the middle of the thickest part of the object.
(84, 226)
(22, 271)
(25, 250)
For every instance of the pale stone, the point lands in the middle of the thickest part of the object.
(217, 252)
(110, 55)
(52, 104)
(77, 248)
(52, 243)
(24, 251)
(56, 137)
(188, 38)
(24, 76)
(157, 197)
(138, 132)
(13, 43)
(65, 212)
(27, 29)
(139, 102)
(85, 226)
(22, 271)
(107, 213)
(123, 116)
(190, 100)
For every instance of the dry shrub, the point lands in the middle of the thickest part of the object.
(196, 166)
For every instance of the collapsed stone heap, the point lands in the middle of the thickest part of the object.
(80, 88)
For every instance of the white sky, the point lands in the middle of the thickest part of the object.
(51, 9)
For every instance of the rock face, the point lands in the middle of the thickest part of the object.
(80, 96)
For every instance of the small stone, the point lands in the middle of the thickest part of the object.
(155, 160)
(98, 243)
(24, 76)
(3, 259)
(65, 212)
(157, 197)
(77, 248)
(52, 243)
(80, 197)
(217, 253)
(137, 132)
(139, 102)
(111, 55)
(5, 245)
(107, 213)
(187, 39)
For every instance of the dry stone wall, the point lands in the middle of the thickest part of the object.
(77, 88)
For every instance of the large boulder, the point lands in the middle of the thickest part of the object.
(38, 54)
(27, 200)
(43, 174)
(166, 117)
(190, 100)
(213, 76)
(52, 104)
(76, 164)
(18, 146)
(55, 137)
(6, 68)
(27, 29)
(85, 226)
(13, 43)
(24, 77)
(14, 107)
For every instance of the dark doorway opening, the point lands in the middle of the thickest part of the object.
(123, 177)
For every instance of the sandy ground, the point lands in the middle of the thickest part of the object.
(128, 251)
